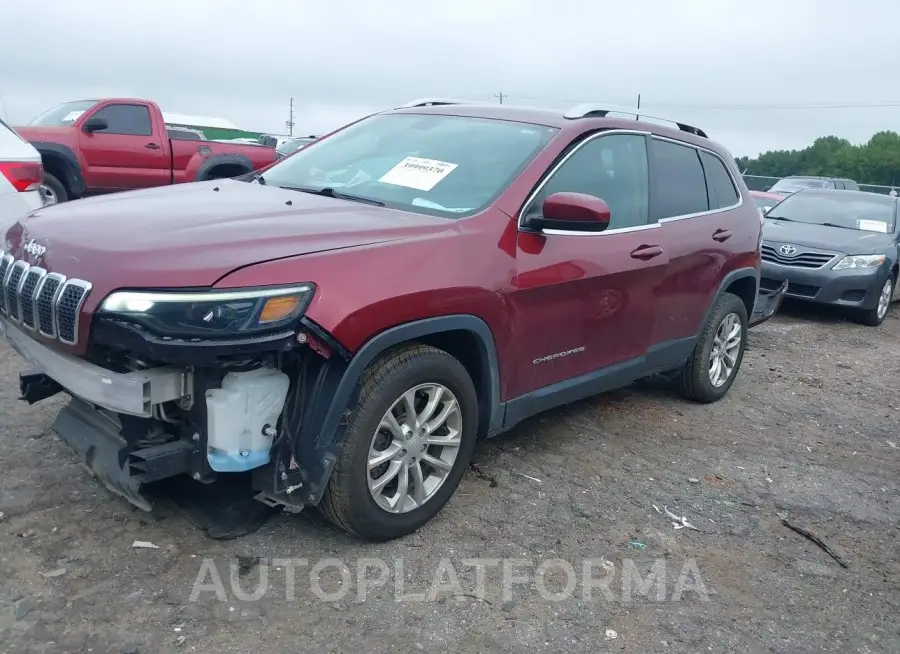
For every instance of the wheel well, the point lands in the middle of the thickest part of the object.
(466, 347)
(226, 170)
(894, 271)
(59, 168)
(744, 288)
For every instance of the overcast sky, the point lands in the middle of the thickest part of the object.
(698, 61)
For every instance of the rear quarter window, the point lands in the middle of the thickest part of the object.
(719, 183)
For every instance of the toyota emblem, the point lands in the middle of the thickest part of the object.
(788, 250)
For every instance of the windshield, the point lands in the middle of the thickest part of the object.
(839, 209)
(438, 165)
(64, 114)
(796, 183)
(290, 146)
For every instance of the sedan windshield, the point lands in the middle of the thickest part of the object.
(449, 166)
(849, 210)
(293, 145)
(64, 114)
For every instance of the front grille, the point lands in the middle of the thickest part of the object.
(42, 302)
(799, 290)
(800, 259)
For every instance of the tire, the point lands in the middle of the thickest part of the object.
(348, 501)
(695, 381)
(52, 188)
(875, 316)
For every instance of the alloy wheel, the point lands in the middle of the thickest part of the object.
(414, 448)
(48, 195)
(725, 350)
(884, 300)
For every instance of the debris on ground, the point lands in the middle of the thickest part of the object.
(59, 572)
(815, 539)
(145, 544)
(693, 480)
(636, 545)
(679, 522)
(522, 474)
(611, 634)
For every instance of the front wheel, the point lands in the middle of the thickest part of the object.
(407, 445)
(52, 190)
(876, 315)
(717, 355)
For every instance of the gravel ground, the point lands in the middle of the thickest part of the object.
(808, 432)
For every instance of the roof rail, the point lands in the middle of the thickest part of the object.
(432, 102)
(590, 110)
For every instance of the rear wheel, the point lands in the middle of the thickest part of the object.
(717, 355)
(876, 315)
(408, 443)
(52, 190)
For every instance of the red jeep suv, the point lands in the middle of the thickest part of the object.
(343, 325)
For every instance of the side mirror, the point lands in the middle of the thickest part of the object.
(94, 124)
(575, 212)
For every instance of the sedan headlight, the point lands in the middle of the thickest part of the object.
(859, 261)
(210, 314)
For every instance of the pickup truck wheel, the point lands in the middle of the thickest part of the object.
(52, 190)
(717, 356)
(407, 445)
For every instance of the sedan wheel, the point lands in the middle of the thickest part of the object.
(48, 195)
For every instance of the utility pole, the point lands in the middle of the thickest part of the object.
(499, 96)
(637, 116)
(289, 123)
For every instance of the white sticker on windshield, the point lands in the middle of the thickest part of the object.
(72, 116)
(873, 226)
(417, 173)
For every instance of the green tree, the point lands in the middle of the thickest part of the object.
(874, 162)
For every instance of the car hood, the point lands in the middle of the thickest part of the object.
(36, 133)
(194, 234)
(836, 239)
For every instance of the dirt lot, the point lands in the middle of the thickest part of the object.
(808, 432)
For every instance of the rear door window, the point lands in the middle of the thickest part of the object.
(678, 183)
(719, 183)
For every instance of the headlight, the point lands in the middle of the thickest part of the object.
(859, 261)
(210, 313)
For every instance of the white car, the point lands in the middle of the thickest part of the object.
(21, 173)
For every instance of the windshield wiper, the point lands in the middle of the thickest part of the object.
(329, 192)
(835, 225)
(787, 220)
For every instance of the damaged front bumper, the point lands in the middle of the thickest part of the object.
(133, 393)
(767, 304)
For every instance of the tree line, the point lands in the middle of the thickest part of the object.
(874, 162)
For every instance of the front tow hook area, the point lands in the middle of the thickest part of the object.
(37, 386)
(158, 477)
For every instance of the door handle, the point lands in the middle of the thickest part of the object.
(646, 252)
(152, 146)
(721, 235)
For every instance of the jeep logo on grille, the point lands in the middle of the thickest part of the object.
(35, 249)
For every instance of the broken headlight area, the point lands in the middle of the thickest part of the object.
(210, 314)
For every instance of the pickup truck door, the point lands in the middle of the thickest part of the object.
(128, 154)
(584, 304)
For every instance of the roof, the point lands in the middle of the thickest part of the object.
(197, 121)
(843, 193)
(558, 119)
